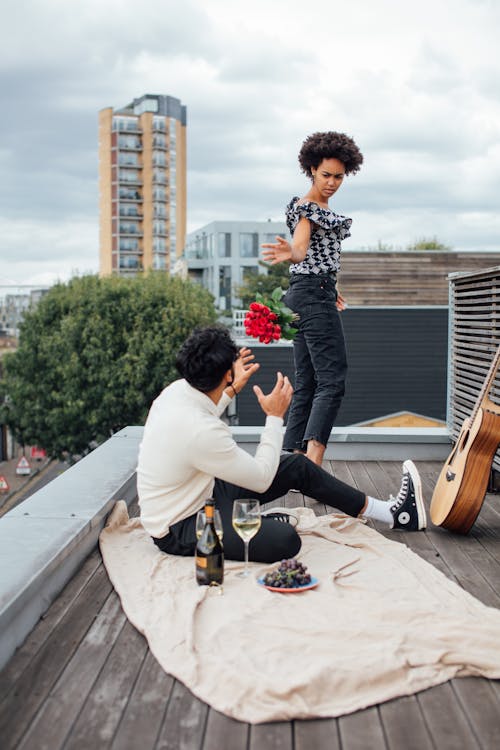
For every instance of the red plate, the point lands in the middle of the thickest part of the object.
(295, 590)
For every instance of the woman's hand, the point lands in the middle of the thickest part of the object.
(340, 303)
(243, 370)
(277, 252)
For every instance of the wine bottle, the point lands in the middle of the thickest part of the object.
(209, 552)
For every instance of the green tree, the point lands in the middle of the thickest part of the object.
(94, 354)
(428, 243)
(264, 284)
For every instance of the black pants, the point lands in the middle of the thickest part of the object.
(320, 360)
(275, 540)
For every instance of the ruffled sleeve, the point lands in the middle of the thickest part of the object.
(321, 217)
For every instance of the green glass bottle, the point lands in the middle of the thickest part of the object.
(209, 553)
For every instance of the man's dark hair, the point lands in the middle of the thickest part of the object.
(319, 146)
(206, 356)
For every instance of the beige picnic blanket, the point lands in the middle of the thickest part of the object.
(382, 623)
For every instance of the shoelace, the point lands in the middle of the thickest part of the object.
(399, 500)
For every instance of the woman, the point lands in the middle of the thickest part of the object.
(314, 255)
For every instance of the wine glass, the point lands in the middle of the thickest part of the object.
(246, 523)
(200, 523)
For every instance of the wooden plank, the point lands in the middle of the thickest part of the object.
(183, 726)
(143, 714)
(102, 711)
(404, 725)
(451, 548)
(39, 635)
(275, 736)
(223, 733)
(445, 719)
(315, 734)
(20, 706)
(482, 708)
(65, 701)
(362, 730)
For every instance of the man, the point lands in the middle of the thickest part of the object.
(188, 454)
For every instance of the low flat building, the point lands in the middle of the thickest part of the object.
(223, 254)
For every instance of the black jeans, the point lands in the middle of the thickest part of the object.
(320, 360)
(275, 540)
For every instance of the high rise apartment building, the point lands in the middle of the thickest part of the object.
(142, 185)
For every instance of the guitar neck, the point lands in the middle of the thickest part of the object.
(485, 390)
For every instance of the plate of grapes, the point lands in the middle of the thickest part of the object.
(290, 577)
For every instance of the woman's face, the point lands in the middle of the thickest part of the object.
(328, 177)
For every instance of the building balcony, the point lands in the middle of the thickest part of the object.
(129, 180)
(123, 146)
(160, 143)
(125, 231)
(126, 127)
(129, 195)
(126, 213)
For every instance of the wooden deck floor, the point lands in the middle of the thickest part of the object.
(85, 679)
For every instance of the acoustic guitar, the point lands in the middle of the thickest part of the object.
(461, 487)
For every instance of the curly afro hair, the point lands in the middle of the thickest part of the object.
(319, 146)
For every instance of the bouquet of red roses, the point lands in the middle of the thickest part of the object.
(268, 319)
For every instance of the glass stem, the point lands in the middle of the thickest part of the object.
(246, 557)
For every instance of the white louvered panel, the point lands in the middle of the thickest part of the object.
(474, 339)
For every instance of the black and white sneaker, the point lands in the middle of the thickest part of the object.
(408, 509)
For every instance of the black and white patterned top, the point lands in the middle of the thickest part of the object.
(327, 230)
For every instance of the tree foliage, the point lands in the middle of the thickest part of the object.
(428, 243)
(94, 354)
(264, 284)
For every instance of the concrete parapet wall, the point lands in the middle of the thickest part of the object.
(45, 539)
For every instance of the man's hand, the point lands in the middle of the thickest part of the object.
(244, 368)
(277, 402)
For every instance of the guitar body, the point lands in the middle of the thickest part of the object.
(461, 487)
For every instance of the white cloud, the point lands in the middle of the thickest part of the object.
(415, 84)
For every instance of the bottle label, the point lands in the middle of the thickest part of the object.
(209, 512)
(201, 562)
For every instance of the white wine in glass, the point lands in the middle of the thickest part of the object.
(246, 523)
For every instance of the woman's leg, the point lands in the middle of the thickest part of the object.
(324, 337)
(303, 392)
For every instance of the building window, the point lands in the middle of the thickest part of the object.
(159, 124)
(128, 175)
(224, 244)
(249, 245)
(248, 273)
(159, 227)
(130, 262)
(225, 287)
(159, 262)
(159, 159)
(128, 246)
(272, 237)
(147, 105)
(128, 160)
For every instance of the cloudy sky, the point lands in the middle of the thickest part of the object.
(417, 84)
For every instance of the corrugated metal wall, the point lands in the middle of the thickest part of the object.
(397, 362)
(474, 339)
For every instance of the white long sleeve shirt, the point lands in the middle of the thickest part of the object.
(185, 446)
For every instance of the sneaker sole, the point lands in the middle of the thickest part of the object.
(410, 467)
